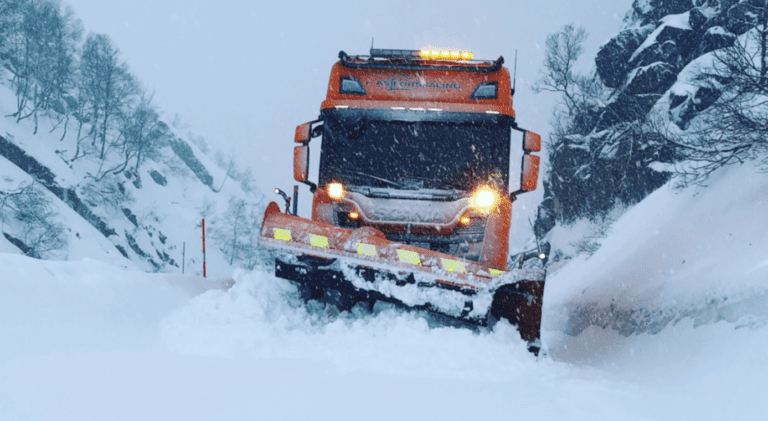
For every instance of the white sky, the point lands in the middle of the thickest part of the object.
(244, 74)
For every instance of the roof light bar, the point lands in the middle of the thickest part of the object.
(425, 53)
(382, 53)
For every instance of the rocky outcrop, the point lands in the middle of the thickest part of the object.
(743, 16)
(158, 178)
(642, 62)
(684, 107)
(612, 60)
(655, 78)
(713, 39)
(47, 179)
(626, 107)
(650, 11)
(666, 52)
(609, 158)
(185, 152)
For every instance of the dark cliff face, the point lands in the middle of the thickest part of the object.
(614, 162)
(643, 61)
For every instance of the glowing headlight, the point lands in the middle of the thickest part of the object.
(484, 199)
(335, 191)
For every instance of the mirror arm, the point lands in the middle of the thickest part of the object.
(314, 131)
(312, 186)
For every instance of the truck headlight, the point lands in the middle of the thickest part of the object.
(335, 191)
(484, 199)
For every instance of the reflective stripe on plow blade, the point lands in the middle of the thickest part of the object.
(453, 265)
(318, 241)
(408, 256)
(366, 249)
(282, 234)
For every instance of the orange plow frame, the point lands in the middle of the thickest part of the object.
(363, 261)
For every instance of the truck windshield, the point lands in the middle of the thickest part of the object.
(414, 155)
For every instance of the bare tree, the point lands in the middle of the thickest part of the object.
(142, 134)
(107, 193)
(34, 218)
(10, 18)
(41, 57)
(237, 231)
(145, 134)
(107, 86)
(563, 50)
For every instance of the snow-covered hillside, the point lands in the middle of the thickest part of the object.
(87, 341)
(150, 219)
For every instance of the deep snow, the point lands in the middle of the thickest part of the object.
(85, 340)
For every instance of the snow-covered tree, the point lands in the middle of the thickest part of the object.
(35, 221)
(40, 44)
(108, 89)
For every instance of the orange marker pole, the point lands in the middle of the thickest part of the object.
(203, 247)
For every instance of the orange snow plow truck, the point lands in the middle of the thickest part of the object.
(413, 203)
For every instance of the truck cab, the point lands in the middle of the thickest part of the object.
(416, 144)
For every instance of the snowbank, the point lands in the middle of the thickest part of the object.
(698, 253)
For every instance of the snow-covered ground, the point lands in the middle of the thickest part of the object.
(89, 341)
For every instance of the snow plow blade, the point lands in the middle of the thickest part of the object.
(362, 265)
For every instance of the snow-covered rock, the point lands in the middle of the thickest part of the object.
(654, 78)
(661, 61)
(613, 57)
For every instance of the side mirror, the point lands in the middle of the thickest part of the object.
(302, 133)
(530, 176)
(531, 142)
(301, 162)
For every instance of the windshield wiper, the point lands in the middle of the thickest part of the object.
(442, 184)
(392, 183)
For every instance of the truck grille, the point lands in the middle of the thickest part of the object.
(464, 241)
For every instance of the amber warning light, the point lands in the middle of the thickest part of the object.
(445, 54)
(424, 53)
